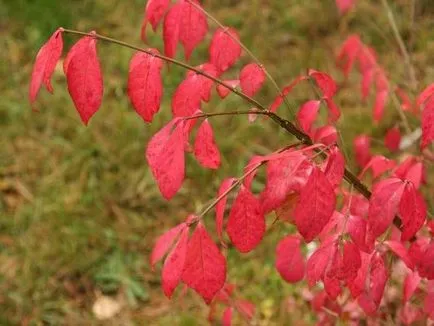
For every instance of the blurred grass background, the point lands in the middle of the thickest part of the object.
(79, 210)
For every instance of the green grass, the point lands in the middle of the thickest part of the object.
(79, 210)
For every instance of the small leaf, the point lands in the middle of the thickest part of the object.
(315, 206)
(411, 283)
(335, 167)
(164, 243)
(171, 29)
(220, 206)
(205, 267)
(307, 114)
(224, 91)
(399, 249)
(289, 259)
(145, 88)
(318, 262)
(362, 149)
(412, 210)
(174, 264)
(425, 95)
(252, 77)
(428, 123)
(246, 223)
(224, 50)
(380, 102)
(227, 316)
(44, 65)
(205, 148)
(392, 139)
(154, 12)
(165, 155)
(84, 77)
(325, 82)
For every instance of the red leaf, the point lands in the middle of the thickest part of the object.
(165, 155)
(174, 265)
(326, 135)
(383, 205)
(393, 139)
(335, 167)
(315, 206)
(411, 282)
(356, 226)
(245, 308)
(193, 26)
(352, 261)
(72, 51)
(380, 103)
(84, 79)
(286, 90)
(227, 317)
(224, 91)
(399, 249)
(307, 114)
(164, 243)
(357, 285)
(379, 165)
(283, 176)
(325, 82)
(246, 223)
(425, 95)
(44, 65)
(348, 53)
(145, 87)
(426, 264)
(428, 306)
(367, 80)
(171, 29)
(224, 50)
(345, 5)
(220, 206)
(252, 77)
(186, 100)
(412, 210)
(370, 300)
(362, 149)
(289, 259)
(334, 111)
(428, 123)
(154, 12)
(317, 263)
(205, 267)
(205, 148)
(203, 82)
(406, 103)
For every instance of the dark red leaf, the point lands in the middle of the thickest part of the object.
(252, 77)
(84, 77)
(145, 87)
(224, 50)
(315, 206)
(426, 264)
(289, 259)
(246, 223)
(174, 264)
(44, 65)
(205, 267)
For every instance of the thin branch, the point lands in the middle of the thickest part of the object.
(401, 44)
(251, 55)
(216, 114)
(283, 123)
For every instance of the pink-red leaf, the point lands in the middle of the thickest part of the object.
(165, 155)
(224, 91)
(246, 223)
(362, 149)
(205, 267)
(326, 135)
(220, 206)
(205, 148)
(224, 50)
(289, 259)
(325, 82)
(171, 29)
(345, 5)
(412, 210)
(392, 139)
(44, 65)
(154, 12)
(307, 114)
(317, 263)
(193, 26)
(145, 87)
(227, 316)
(315, 206)
(84, 77)
(164, 243)
(425, 95)
(428, 123)
(383, 205)
(174, 265)
(252, 77)
(335, 167)
(380, 102)
(411, 282)
(426, 264)
(399, 249)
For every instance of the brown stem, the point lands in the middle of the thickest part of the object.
(283, 123)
